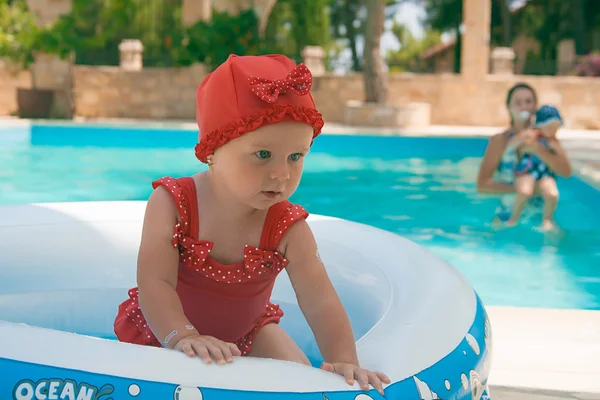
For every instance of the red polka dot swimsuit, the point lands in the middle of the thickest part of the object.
(229, 302)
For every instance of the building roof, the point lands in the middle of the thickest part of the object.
(437, 49)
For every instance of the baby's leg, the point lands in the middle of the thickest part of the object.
(524, 186)
(549, 191)
(272, 341)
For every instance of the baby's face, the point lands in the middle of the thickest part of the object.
(550, 129)
(264, 167)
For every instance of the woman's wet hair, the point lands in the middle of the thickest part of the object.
(517, 87)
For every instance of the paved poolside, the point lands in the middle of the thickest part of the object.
(538, 354)
(544, 352)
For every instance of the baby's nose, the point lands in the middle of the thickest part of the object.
(280, 172)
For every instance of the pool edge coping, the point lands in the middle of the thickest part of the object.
(330, 128)
(588, 175)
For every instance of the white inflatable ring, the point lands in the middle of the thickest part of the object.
(65, 267)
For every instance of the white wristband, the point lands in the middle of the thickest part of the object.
(174, 333)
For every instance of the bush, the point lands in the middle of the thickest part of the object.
(19, 35)
(21, 38)
(589, 65)
(212, 43)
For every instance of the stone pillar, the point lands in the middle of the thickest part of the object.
(131, 55)
(196, 10)
(49, 71)
(566, 57)
(503, 61)
(48, 11)
(475, 50)
(313, 57)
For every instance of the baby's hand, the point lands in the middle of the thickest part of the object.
(208, 348)
(518, 140)
(364, 377)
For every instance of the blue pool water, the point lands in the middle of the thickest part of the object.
(420, 188)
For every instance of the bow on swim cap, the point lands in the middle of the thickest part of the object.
(247, 92)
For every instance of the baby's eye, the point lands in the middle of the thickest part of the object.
(295, 156)
(263, 154)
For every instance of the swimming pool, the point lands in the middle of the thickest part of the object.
(420, 188)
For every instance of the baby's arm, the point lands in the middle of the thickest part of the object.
(549, 139)
(317, 298)
(158, 263)
(157, 269)
(323, 309)
(552, 144)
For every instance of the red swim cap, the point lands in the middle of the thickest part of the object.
(247, 92)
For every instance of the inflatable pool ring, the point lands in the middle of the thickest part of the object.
(65, 267)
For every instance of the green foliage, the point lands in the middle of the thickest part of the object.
(446, 16)
(157, 24)
(277, 33)
(18, 34)
(294, 24)
(21, 38)
(60, 38)
(443, 15)
(347, 21)
(309, 25)
(213, 42)
(407, 58)
(591, 11)
(94, 29)
(547, 22)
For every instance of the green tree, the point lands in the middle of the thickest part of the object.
(407, 58)
(348, 19)
(446, 16)
(212, 42)
(18, 35)
(294, 24)
(549, 22)
(278, 30)
(310, 24)
(96, 27)
(21, 38)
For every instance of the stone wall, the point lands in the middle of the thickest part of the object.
(170, 94)
(455, 101)
(151, 93)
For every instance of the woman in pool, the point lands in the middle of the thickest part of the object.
(213, 243)
(496, 173)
